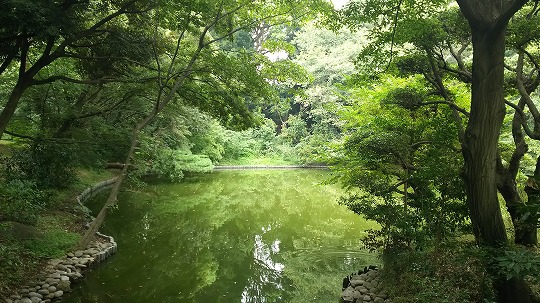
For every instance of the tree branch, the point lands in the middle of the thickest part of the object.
(451, 104)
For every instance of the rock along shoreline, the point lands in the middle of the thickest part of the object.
(363, 287)
(58, 275)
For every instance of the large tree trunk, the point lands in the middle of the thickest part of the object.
(9, 109)
(488, 20)
(482, 137)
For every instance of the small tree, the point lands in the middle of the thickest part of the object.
(390, 156)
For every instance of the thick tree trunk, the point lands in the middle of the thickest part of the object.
(482, 137)
(9, 109)
(480, 151)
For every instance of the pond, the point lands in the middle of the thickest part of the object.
(229, 236)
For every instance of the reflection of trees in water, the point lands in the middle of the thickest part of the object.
(266, 284)
(228, 238)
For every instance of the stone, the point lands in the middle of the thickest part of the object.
(24, 291)
(64, 278)
(348, 295)
(43, 292)
(357, 295)
(55, 262)
(90, 252)
(24, 300)
(35, 300)
(84, 261)
(58, 293)
(70, 255)
(362, 290)
(78, 253)
(55, 275)
(64, 285)
(52, 281)
(366, 298)
(35, 294)
(49, 296)
(383, 294)
(358, 282)
(51, 289)
(378, 300)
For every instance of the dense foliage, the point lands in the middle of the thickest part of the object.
(390, 94)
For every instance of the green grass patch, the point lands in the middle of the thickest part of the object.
(53, 245)
(56, 239)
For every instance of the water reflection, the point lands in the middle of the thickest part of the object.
(250, 237)
(269, 271)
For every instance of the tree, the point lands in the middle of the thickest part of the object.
(404, 159)
(38, 34)
(487, 22)
(200, 26)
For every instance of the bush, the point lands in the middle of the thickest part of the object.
(172, 164)
(12, 263)
(47, 164)
(449, 275)
(21, 201)
(517, 263)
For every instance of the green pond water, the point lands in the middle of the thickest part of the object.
(229, 236)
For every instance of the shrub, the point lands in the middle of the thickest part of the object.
(47, 164)
(449, 275)
(21, 201)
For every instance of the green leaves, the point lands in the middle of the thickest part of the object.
(517, 263)
(399, 154)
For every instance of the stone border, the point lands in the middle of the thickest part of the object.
(58, 274)
(239, 167)
(364, 286)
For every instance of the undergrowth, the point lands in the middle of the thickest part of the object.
(448, 275)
